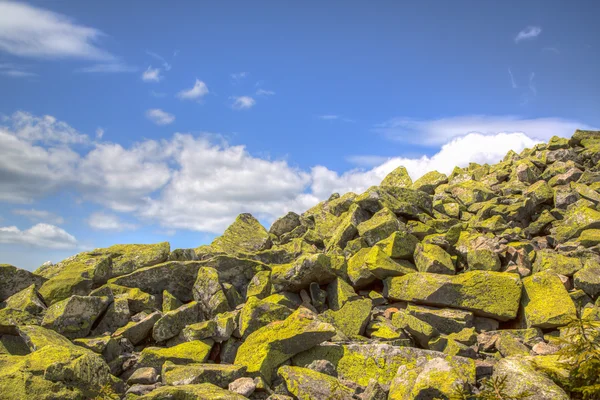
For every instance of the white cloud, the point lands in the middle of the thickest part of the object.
(44, 129)
(198, 91)
(328, 117)
(39, 215)
(109, 68)
(263, 92)
(166, 65)
(531, 32)
(29, 31)
(151, 75)
(160, 117)
(39, 235)
(532, 84)
(439, 131)
(239, 75)
(198, 183)
(512, 79)
(16, 71)
(99, 133)
(109, 222)
(243, 102)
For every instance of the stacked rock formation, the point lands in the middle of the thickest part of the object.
(405, 291)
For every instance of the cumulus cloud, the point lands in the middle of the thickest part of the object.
(40, 235)
(39, 215)
(160, 117)
(46, 129)
(109, 222)
(530, 32)
(242, 102)
(200, 182)
(30, 31)
(151, 75)
(436, 132)
(198, 91)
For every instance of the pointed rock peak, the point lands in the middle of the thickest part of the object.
(398, 178)
(246, 234)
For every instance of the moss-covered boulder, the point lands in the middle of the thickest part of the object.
(299, 274)
(285, 224)
(522, 376)
(77, 275)
(172, 322)
(138, 331)
(432, 258)
(338, 293)
(352, 318)
(577, 219)
(471, 192)
(546, 302)
(430, 181)
(258, 313)
(75, 316)
(399, 245)
(244, 235)
(185, 392)
(540, 193)
(381, 266)
(421, 331)
(196, 351)
(220, 375)
(546, 260)
(397, 178)
(15, 279)
(54, 372)
(169, 302)
(381, 225)
(26, 300)
(267, 348)
(588, 279)
(428, 379)
(260, 285)
(127, 258)
(361, 362)
(209, 293)
(177, 277)
(306, 384)
(486, 293)
(444, 320)
(483, 259)
(589, 237)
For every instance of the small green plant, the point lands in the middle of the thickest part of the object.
(106, 393)
(580, 355)
(491, 389)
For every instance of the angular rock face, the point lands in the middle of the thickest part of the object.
(410, 290)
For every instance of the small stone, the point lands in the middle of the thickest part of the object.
(143, 376)
(243, 386)
(543, 348)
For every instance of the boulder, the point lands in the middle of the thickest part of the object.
(588, 279)
(444, 320)
(75, 316)
(126, 258)
(137, 331)
(208, 292)
(306, 384)
(432, 258)
(267, 348)
(172, 322)
(201, 391)
(196, 351)
(352, 318)
(430, 181)
(244, 235)
(485, 293)
(397, 178)
(521, 376)
(26, 300)
(170, 302)
(546, 302)
(299, 274)
(220, 375)
(15, 279)
(381, 225)
(258, 313)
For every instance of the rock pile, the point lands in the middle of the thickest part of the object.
(405, 291)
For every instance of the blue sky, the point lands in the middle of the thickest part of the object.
(146, 121)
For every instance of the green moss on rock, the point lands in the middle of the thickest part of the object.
(546, 302)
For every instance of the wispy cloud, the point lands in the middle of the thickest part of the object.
(39, 215)
(110, 68)
(242, 102)
(198, 91)
(29, 31)
(550, 50)
(512, 79)
(328, 117)
(109, 222)
(238, 76)
(263, 92)
(16, 71)
(367, 160)
(151, 75)
(434, 132)
(532, 87)
(99, 133)
(154, 93)
(165, 64)
(530, 32)
(160, 117)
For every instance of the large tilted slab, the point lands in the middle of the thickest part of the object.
(489, 294)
